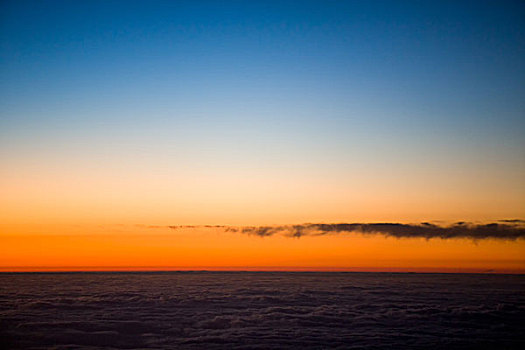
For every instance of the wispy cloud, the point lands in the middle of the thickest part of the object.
(502, 229)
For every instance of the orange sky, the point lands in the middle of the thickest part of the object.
(70, 247)
(55, 216)
(255, 116)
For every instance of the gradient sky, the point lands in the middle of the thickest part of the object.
(258, 113)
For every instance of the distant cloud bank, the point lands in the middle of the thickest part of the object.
(502, 229)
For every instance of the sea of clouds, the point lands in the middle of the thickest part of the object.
(207, 310)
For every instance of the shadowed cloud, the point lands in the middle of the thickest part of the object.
(240, 310)
(503, 229)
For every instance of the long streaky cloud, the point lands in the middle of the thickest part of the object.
(503, 230)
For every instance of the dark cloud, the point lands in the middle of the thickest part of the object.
(513, 221)
(423, 230)
(503, 229)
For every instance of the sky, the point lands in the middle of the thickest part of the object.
(119, 119)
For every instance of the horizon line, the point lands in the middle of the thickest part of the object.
(284, 269)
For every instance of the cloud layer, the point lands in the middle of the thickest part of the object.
(503, 229)
(236, 310)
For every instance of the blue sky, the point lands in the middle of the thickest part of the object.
(326, 86)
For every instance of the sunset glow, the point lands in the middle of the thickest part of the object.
(116, 118)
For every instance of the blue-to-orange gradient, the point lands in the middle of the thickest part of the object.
(115, 116)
